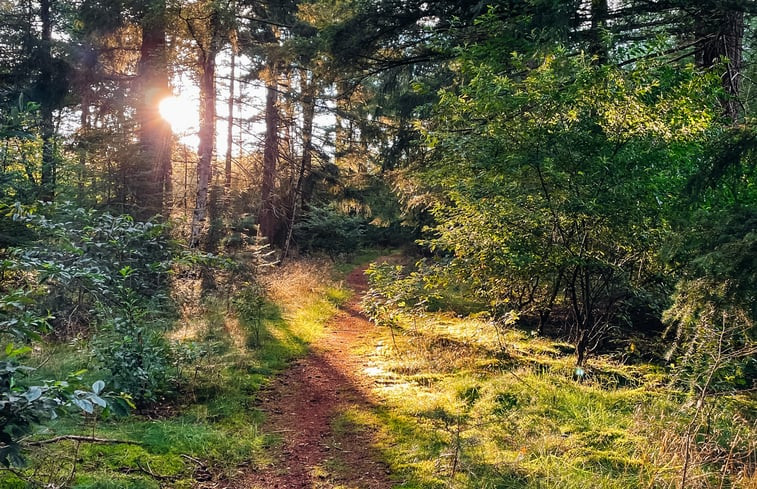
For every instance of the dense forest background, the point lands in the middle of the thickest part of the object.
(581, 170)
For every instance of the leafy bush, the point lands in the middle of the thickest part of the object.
(559, 214)
(79, 254)
(98, 269)
(330, 230)
(138, 359)
(19, 317)
(391, 289)
(25, 405)
(129, 345)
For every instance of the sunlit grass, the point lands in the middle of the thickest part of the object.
(470, 406)
(212, 418)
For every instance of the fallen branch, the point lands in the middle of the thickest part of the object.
(152, 474)
(196, 461)
(88, 439)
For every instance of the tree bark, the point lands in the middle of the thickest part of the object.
(207, 139)
(230, 125)
(597, 46)
(306, 162)
(723, 36)
(267, 213)
(47, 127)
(343, 134)
(153, 172)
(83, 146)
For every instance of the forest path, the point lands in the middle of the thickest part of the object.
(303, 405)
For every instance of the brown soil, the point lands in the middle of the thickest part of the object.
(302, 403)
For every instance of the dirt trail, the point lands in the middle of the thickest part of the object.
(302, 402)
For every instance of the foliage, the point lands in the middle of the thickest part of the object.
(24, 406)
(328, 229)
(16, 178)
(554, 198)
(714, 308)
(80, 254)
(19, 317)
(135, 352)
(249, 303)
(97, 268)
(391, 289)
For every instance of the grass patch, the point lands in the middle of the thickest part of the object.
(211, 421)
(470, 406)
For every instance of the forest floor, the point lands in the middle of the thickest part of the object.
(317, 397)
(303, 407)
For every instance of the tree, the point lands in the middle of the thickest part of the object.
(208, 25)
(551, 192)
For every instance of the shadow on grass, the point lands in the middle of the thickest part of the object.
(209, 427)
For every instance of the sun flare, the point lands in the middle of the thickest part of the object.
(180, 112)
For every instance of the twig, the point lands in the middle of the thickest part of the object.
(21, 476)
(152, 474)
(196, 461)
(89, 439)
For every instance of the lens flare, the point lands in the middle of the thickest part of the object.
(180, 112)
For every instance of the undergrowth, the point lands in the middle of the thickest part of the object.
(226, 349)
(468, 405)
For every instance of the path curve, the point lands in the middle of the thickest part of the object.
(301, 403)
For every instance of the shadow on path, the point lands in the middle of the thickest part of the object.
(302, 404)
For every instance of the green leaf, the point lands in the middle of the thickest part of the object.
(98, 387)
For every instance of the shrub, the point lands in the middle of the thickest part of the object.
(79, 255)
(327, 229)
(130, 347)
(249, 306)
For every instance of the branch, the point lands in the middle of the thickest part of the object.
(673, 50)
(89, 439)
(265, 21)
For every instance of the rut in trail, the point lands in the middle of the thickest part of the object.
(302, 402)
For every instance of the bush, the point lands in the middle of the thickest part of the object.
(79, 255)
(249, 306)
(327, 229)
(391, 289)
(136, 354)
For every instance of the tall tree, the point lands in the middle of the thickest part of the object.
(208, 26)
(153, 173)
(267, 219)
(46, 89)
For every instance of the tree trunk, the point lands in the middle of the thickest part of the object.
(597, 46)
(267, 214)
(153, 172)
(207, 139)
(306, 162)
(723, 36)
(343, 126)
(83, 146)
(230, 125)
(47, 127)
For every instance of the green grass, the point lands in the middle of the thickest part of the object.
(469, 407)
(211, 418)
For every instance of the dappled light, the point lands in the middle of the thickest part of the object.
(376, 244)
